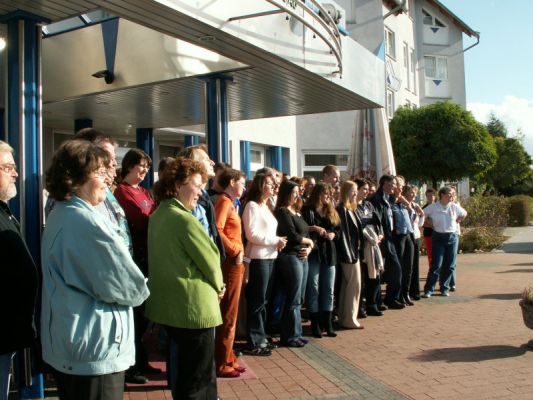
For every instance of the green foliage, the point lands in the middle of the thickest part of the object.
(486, 211)
(440, 141)
(480, 238)
(519, 211)
(496, 127)
(513, 164)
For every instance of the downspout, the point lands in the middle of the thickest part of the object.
(472, 45)
(401, 6)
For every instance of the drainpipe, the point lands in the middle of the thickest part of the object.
(472, 45)
(400, 6)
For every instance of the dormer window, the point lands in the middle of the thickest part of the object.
(430, 20)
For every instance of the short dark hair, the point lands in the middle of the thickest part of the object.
(227, 175)
(445, 190)
(430, 190)
(178, 171)
(255, 193)
(131, 159)
(329, 169)
(361, 182)
(71, 166)
(284, 193)
(384, 179)
(163, 163)
(95, 136)
(219, 166)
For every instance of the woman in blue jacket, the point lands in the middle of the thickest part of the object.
(90, 282)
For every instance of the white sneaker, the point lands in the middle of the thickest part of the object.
(426, 295)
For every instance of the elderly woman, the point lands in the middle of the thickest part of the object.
(138, 204)
(185, 280)
(348, 247)
(261, 251)
(324, 227)
(232, 182)
(90, 282)
(444, 216)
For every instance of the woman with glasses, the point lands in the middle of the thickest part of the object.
(90, 282)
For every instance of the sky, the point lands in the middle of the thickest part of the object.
(499, 70)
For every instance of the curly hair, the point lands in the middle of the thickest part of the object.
(178, 171)
(315, 202)
(71, 166)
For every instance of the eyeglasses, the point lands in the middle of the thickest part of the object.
(8, 168)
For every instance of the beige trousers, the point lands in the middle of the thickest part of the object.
(349, 295)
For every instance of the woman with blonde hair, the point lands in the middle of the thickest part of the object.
(348, 245)
(324, 227)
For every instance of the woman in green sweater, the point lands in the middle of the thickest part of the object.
(185, 280)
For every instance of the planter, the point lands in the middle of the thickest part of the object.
(527, 314)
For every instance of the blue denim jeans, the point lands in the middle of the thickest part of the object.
(5, 365)
(444, 254)
(291, 271)
(320, 285)
(454, 275)
(257, 293)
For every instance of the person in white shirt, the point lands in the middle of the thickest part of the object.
(444, 215)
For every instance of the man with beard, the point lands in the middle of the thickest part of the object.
(19, 283)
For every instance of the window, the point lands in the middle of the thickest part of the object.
(436, 67)
(413, 70)
(390, 104)
(406, 66)
(430, 20)
(314, 162)
(390, 44)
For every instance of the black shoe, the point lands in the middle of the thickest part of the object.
(315, 325)
(148, 369)
(396, 305)
(257, 351)
(328, 324)
(136, 378)
(407, 300)
(374, 312)
(361, 314)
(415, 297)
(383, 307)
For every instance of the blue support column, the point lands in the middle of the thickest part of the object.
(245, 158)
(23, 116)
(217, 119)
(191, 140)
(276, 157)
(145, 142)
(82, 123)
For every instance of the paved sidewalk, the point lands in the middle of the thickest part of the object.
(470, 345)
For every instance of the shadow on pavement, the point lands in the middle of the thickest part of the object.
(518, 247)
(471, 354)
(501, 296)
(515, 270)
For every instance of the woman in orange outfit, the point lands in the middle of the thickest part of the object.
(229, 226)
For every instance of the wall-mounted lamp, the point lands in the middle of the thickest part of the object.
(108, 76)
(2, 43)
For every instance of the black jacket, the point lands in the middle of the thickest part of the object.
(326, 249)
(18, 286)
(207, 204)
(383, 210)
(350, 236)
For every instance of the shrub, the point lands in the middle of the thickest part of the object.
(486, 211)
(519, 212)
(480, 238)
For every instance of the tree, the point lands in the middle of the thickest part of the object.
(440, 141)
(513, 165)
(496, 127)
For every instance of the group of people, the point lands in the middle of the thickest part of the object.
(200, 262)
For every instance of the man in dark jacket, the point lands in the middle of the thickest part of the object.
(19, 283)
(382, 202)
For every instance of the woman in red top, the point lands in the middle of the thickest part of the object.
(138, 204)
(229, 226)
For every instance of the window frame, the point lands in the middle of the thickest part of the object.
(436, 77)
(390, 45)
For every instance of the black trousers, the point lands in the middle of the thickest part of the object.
(193, 375)
(94, 387)
(414, 290)
(140, 323)
(404, 250)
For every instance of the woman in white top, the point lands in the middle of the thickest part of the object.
(417, 221)
(261, 251)
(444, 215)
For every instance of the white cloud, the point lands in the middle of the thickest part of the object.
(516, 113)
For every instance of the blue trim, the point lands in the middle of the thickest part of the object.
(224, 141)
(276, 157)
(86, 24)
(343, 31)
(82, 123)
(110, 36)
(381, 51)
(245, 158)
(211, 119)
(145, 142)
(30, 179)
(191, 140)
(20, 14)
